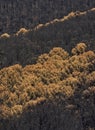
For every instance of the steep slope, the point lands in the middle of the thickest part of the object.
(25, 46)
(57, 93)
(15, 14)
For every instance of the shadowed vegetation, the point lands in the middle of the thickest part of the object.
(15, 14)
(25, 46)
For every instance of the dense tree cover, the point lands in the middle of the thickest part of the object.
(26, 45)
(56, 93)
(15, 14)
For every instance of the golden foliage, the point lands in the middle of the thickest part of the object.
(22, 31)
(57, 77)
(5, 35)
(79, 49)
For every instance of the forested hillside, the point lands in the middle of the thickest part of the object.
(26, 45)
(15, 14)
(56, 93)
(47, 64)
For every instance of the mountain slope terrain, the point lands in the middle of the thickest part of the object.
(15, 14)
(26, 45)
(58, 92)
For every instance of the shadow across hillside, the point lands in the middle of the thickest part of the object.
(26, 45)
(53, 115)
